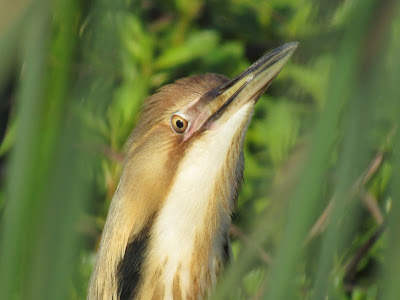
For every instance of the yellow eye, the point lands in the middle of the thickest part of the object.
(178, 124)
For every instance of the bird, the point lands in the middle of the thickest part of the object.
(166, 234)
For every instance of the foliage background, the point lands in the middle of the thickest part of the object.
(318, 215)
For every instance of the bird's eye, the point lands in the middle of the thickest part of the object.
(178, 124)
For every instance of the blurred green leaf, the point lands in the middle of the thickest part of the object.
(253, 280)
(197, 45)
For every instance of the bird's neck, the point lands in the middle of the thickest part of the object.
(189, 238)
(179, 252)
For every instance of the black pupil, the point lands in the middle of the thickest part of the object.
(179, 123)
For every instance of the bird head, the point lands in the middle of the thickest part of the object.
(207, 110)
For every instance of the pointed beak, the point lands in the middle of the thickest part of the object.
(219, 104)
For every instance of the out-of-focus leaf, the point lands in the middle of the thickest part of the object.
(236, 245)
(302, 16)
(280, 130)
(312, 79)
(381, 181)
(227, 57)
(9, 138)
(197, 45)
(253, 279)
(342, 13)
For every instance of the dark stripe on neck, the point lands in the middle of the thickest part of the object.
(226, 250)
(130, 268)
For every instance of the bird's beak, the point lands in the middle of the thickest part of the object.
(219, 104)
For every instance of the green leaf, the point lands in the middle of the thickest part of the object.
(253, 280)
(197, 45)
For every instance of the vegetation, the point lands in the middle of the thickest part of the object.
(319, 213)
